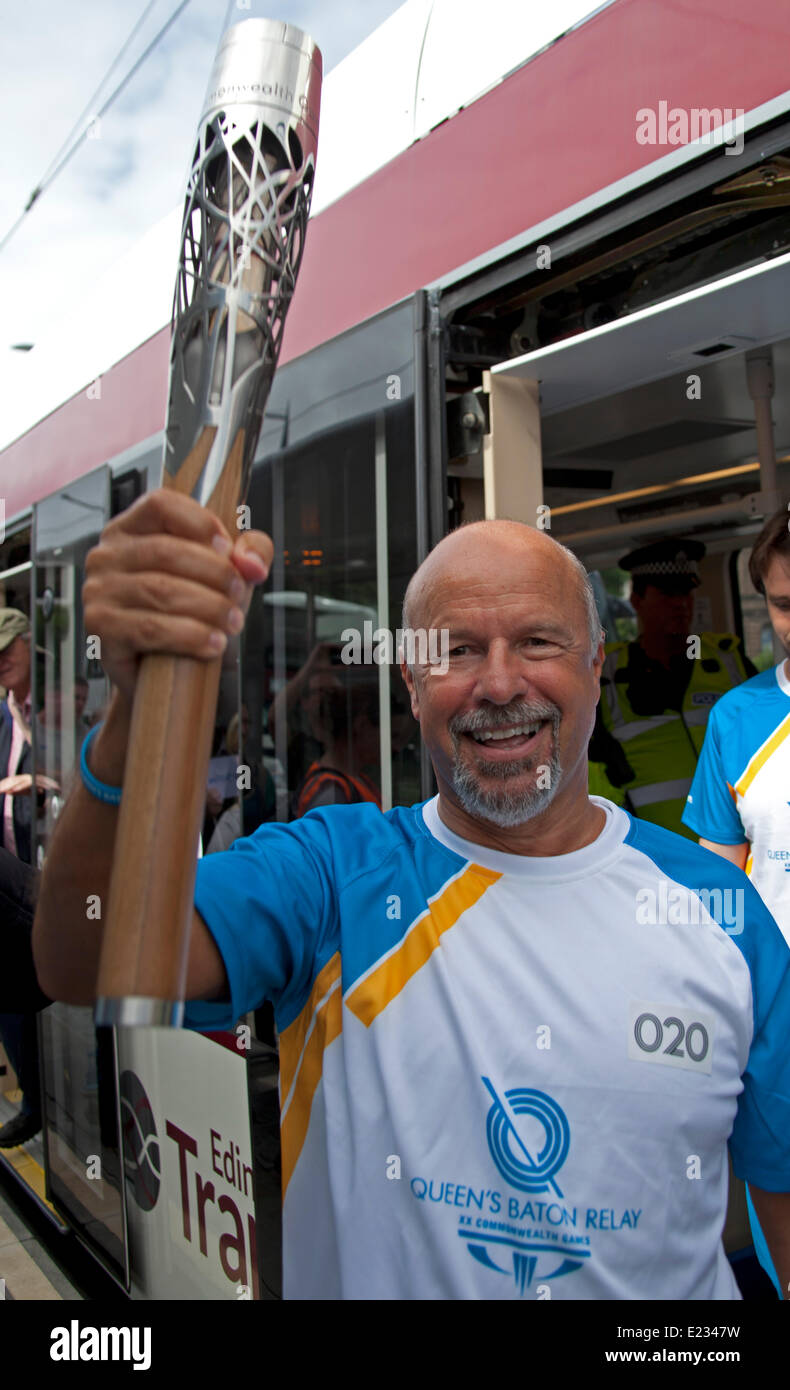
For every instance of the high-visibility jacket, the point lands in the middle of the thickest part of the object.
(662, 749)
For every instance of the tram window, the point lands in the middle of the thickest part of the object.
(337, 476)
(758, 638)
(310, 656)
(402, 551)
(611, 587)
(70, 689)
(15, 549)
(15, 588)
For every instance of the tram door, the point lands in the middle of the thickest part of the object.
(77, 1061)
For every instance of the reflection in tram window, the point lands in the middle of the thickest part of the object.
(341, 707)
(618, 619)
(15, 571)
(336, 491)
(63, 711)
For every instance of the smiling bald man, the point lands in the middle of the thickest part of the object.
(517, 1027)
(509, 750)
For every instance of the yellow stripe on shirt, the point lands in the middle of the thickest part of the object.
(304, 1042)
(292, 1038)
(296, 1117)
(762, 755)
(387, 980)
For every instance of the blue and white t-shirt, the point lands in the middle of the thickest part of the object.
(741, 789)
(504, 1075)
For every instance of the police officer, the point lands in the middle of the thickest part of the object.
(657, 692)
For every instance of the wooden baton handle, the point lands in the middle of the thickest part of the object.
(145, 949)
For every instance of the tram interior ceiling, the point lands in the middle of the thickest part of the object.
(724, 227)
(645, 342)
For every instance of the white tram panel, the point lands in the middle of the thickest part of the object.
(188, 1164)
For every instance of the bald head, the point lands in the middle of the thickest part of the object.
(511, 545)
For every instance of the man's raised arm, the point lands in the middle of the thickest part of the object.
(165, 577)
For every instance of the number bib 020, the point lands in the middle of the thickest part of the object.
(673, 1035)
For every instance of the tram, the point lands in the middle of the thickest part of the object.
(521, 296)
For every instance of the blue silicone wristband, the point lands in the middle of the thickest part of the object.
(111, 795)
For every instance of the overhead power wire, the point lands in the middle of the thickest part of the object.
(90, 107)
(52, 173)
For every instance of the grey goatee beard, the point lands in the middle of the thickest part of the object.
(504, 807)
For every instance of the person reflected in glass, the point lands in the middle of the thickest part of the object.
(342, 707)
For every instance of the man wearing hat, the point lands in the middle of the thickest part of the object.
(18, 1032)
(657, 692)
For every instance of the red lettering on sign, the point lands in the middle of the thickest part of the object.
(215, 1134)
(186, 1144)
(205, 1193)
(237, 1274)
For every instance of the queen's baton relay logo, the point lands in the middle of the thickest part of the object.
(527, 1228)
(140, 1144)
(508, 1149)
(528, 1137)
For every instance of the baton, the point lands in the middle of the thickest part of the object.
(245, 216)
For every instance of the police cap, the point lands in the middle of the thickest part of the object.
(670, 565)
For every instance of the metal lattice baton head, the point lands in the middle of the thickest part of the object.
(245, 217)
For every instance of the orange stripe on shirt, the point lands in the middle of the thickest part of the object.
(296, 1119)
(388, 979)
(292, 1038)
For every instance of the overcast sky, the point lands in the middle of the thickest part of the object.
(52, 58)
